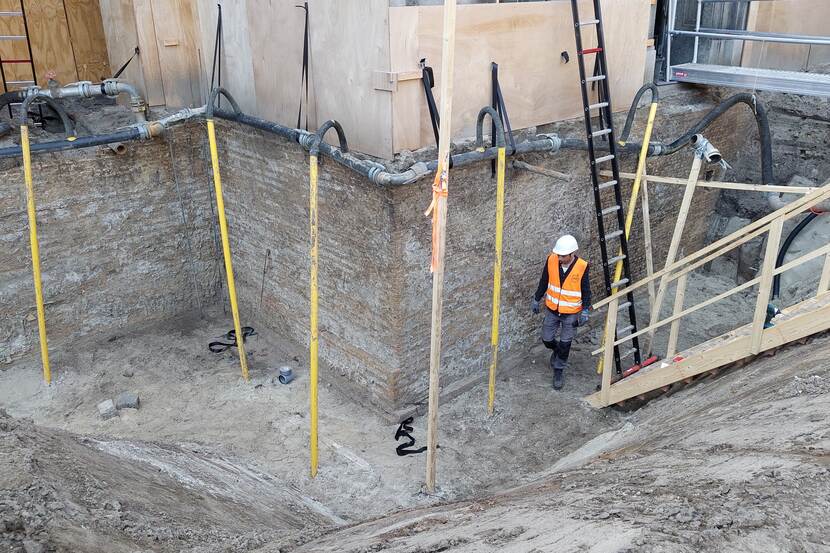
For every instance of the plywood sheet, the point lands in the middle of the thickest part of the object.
(118, 20)
(237, 65)
(51, 44)
(177, 39)
(86, 31)
(149, 57)
(526, 40)
(802, 17)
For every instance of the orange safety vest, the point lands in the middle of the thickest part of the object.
(565, 297)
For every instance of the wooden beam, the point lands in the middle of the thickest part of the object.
(804, 319)
(541, 171)
(767, 273)
(647, 240)
(727, 243)
(679, 297)
(824, 282)
(608, 361)
(685, 205)
(748, 187)
(439, 235)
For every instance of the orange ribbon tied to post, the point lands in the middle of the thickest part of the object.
(439, 190)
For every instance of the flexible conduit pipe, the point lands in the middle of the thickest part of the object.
(782, 253)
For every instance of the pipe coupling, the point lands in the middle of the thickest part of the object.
(555, 141)
(705, 149)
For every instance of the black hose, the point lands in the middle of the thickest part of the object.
(632, 111)
(68, 128)
(782, 253)
(82, 142)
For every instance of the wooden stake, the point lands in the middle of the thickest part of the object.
(824, 282)
(685, 205)
(679, 297)
(608, 359)
(765, 287)
(647, 240)
(439, 240)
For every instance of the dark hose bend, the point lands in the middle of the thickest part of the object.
(782, 253)
(24, 112)
(632, 111)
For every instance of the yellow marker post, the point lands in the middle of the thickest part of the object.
(313, 224)
(632, 202)
(33, 243)
(226, 247)
(494, 331)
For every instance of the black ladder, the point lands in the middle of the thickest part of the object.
(610, 212)
(9, 86)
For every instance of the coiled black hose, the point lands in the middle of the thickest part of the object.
(782, 253)
(632, 111)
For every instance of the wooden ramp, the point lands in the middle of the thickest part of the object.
(799, 321)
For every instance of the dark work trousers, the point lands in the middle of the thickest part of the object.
(565, 327)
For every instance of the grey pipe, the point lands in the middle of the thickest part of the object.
(111, 88)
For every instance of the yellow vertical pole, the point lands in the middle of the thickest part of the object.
(313, 372)
(494, 331)
(33, 243)
(226, 247)
(632, 202)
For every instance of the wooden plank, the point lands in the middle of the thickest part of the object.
(408, 100)
(86, 31)
(727, 243)
(149, 58)
(824, 281)
(118, 21)
(724, 185)
(799, 321)
(177, 37)
(440, 234)
(679, 297)
(526, 40)
(680, 225)
(49, 36)
(767, 271)
(608, 360)
(647, 238)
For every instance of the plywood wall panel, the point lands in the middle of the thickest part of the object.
(118, 20)
(526, 40)
(51, 43)
(89, 45)
(177, 32)
(149, 57)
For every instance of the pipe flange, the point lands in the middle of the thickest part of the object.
(555, 141)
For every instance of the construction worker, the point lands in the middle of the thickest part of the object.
(567, 291)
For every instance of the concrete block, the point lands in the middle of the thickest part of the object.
(107, 409)
(127, 400)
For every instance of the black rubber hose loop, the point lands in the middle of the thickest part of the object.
(632, 111)
(212, 100)
(782, 253)
(488, 110)
(317, 139)
(24, 112)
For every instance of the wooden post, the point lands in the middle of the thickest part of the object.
(691, 184)
(440, 234)
(647, 239)
(824, 282)
(608, 358)
(679, 297)
(765, 287)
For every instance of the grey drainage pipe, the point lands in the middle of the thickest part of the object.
(110, 88)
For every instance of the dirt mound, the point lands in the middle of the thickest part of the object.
(60, 492)
(737, 463)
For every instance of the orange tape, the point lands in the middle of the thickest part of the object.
(439, 189)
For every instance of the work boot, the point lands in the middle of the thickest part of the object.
(558, 379)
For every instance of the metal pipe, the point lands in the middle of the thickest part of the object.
(765, 37)
(87, 89)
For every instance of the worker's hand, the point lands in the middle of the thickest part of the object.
(534, 305)
(584, 315)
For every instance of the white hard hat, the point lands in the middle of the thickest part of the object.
(565, 245)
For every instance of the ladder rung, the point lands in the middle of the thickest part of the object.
(591, 51)
(615, 260)
(619, 283)
(608, 184)
(20, 82)
(612, 209)
(628, 328)
(603, 132)
(602, 159)
(15, 61)
(12, 37)
(627, 353)
(595, 78)
(598, 106)
(588, 22)
(625, 305)
(613, 234)
(11, 14)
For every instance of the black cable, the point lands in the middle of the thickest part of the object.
(304, 73)
(782, 253)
